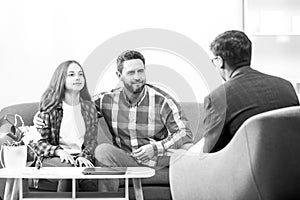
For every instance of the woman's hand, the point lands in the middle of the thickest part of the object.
(64, 156)
(37, 121)
(83, 162)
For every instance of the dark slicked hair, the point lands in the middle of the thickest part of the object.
(234, 47)
(128, 55)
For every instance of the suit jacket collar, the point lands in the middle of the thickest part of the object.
(240, 71)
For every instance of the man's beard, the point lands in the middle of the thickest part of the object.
(135, 90)
(139, 89)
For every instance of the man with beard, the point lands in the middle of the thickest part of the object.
(144, 121)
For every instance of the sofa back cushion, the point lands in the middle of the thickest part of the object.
(25, 110)
(193, 112)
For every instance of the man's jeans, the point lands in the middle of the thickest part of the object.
(108, 155)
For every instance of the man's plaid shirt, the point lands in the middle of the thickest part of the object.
(155, 119)
(50, 133)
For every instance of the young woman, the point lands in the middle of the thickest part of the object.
(69, 136)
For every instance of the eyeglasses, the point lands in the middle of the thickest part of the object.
(214, 60)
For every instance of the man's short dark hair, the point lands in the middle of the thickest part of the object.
(128, 55)
(234, 47)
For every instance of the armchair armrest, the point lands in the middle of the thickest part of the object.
(212, 175)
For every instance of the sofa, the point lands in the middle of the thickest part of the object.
(262, 161)
(156, 187)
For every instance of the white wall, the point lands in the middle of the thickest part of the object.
(277, 55)
(274, 27)
(35, 36)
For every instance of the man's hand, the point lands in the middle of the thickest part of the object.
(64, 156)
(83, 162)
(37, 121)
(144, 153)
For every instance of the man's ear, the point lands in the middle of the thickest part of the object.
(220, 62)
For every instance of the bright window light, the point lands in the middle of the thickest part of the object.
(274, 21)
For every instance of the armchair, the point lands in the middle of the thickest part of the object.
(262, 161)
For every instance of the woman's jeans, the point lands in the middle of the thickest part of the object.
(65, 185)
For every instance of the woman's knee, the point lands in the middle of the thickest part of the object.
(55, 162)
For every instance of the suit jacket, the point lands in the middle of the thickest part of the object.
(247, 93)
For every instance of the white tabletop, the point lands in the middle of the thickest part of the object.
(71, 172)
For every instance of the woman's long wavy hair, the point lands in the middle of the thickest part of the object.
(55, 92)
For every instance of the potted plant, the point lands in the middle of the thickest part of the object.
(13, 152)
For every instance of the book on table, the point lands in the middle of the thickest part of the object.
(104, 171)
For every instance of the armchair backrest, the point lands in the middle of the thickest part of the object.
(273, 140)
(261, 162)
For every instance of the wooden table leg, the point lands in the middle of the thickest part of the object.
(138, 191)
(73, 188)
(126, 189)
(20, 182)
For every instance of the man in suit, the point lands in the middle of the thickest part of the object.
(246, 92)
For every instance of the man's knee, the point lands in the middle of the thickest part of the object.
(104, 153)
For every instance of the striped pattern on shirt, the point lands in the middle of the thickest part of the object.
(155, 119)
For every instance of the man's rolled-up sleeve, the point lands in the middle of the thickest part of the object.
(179, 132)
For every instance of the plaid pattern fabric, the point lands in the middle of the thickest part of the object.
(50, 133)
(156, 119)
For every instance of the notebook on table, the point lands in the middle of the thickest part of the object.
(104, 171)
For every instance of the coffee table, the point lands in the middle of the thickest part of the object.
(136, 173)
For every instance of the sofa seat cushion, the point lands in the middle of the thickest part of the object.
(161, 178)
(151, 193)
